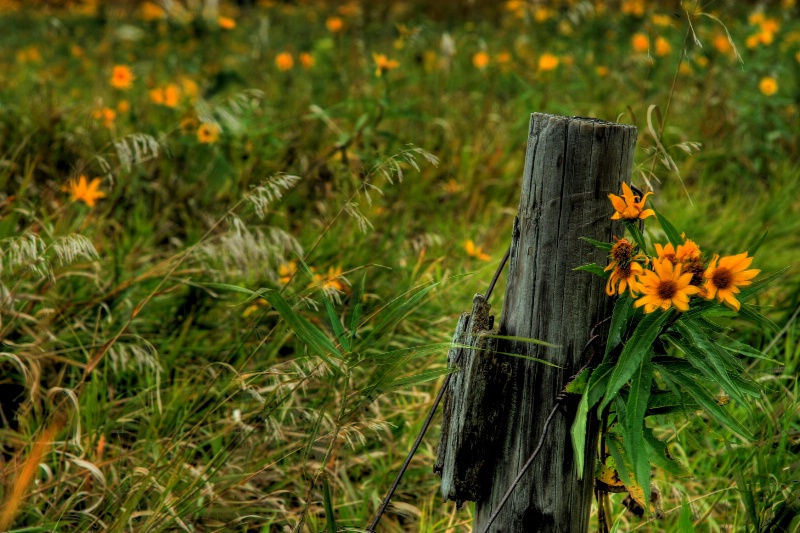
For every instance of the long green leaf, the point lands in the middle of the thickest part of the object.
(673, 234)
(618, 321)
(593, 268)
(749, 313)
(758, 286)
(578, 433)
(599, 244)
(633, 228)
(635, 409)
(336, 324)
(634, 351)
(327, 499)
(358, 307)
(685, 523)
(598, 382)
(704, 354)
(657, 452)
(706, 401)
(753, 248)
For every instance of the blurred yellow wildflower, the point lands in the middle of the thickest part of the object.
(480, 60)
(663, 47)
(602, 71)
(122, 77)
(724, 277)
(723, 44)
(453, 186)
(167, 96)
(475, 251)
(85, 191)
(503, 58)
(152, 11)
(287, 271)
(640, 43)
(334, 24)
(626, 206)
(332, 281)
(383, 64)
(660, 19)
(208, 133)
(665, 286)
(543, 14)
(306, 60)
(797, 56)
(123, 106)
(30, 54)
(548, 61)
(633, 7)
(284, 61)
(768, 85)
(107, 115)
(254, 307)
(226, 23)
(188, 125)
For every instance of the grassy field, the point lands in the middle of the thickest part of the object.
(363, 160)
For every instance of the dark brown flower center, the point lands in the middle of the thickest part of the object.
(696, 268)
(622, 251)
(722, 278)
(667, 289)
(624, 272)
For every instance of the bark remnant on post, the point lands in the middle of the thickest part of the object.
(571, 166)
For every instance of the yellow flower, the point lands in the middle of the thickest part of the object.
(722, 44)
(122, 77)
(208, 133)
(254, 307)
(662, 47)
(688, 251)
(86, 192)
(157, 95)
(665, 286)
(287, 271)
(123, 106)
(503, 58)
(107, 115)
(768, 85)
(724, 278)
(626, 276)
(666, 252)
(547, 62)
(602, 71)
(383, 64)
(661, 19)
(333, 281)
(640, 43)
(284, 61)
(627, 208)
(226, 23)
(334, 24)
(306, 60)
(633, 7)
(621, 253)
(480, 60)
(475, 251)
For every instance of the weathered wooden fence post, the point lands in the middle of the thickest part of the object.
(571, 166)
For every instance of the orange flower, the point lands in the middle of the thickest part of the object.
(333, 281)
(384, 64)
(640, 43)
(688, 251)
(208, 133)
(122, 77)
(662, 47)
(226, 23)
(725, 278)
(480, 60)
(287, 271)
(334, 24)
(107, 115)
(547, 62)
(627, 208)
(768, 85)
(723, 44)
(306, 60)
(666, 252)
(625, 275)
(86, 192)
(665, 286)
(284, 61)
(475, 251)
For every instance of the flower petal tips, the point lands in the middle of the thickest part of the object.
(626, 206)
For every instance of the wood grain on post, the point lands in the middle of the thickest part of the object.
(571, 166)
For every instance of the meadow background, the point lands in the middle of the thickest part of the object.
(154, 155)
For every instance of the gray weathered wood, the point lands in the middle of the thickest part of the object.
(473, 405)
(571, 165)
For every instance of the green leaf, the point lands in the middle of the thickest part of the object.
(706, 401)
(520, 339)
(598, 244)
(666, 402)
(623, 469)
(598, 382)
(749, 313)
(579, 384)
(753, 248)
(595, 269)
(416, 379)
(657, 453)
(358, 308)
(327, 499)
(633, 228)
(704, 355)
(336, 324)
(685, 523)
(634, 351)
(635, 409)
(306, 332)
(758, 286)
(395, 311)
(578, 433)
(673, 234)
(619, 320)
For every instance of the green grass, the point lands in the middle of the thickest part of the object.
(185, 406)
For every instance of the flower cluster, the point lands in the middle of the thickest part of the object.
(675, 274)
